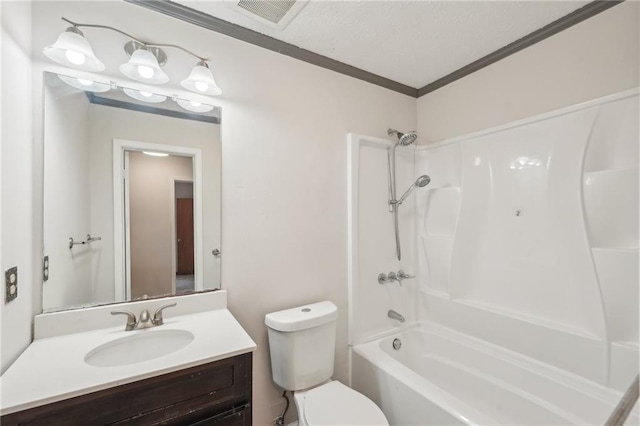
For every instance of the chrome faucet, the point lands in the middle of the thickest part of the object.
(403, 276)
(396, 316)
(392, 276)
(157, 316)
(144, 320)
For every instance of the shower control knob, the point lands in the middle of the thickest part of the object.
(390, 277)
(393, 277)
(403, 276)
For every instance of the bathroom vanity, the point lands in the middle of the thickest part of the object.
(195, 369)
(217, 393)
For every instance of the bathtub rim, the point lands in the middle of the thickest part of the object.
(373, 352)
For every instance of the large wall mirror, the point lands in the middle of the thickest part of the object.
(131, 194)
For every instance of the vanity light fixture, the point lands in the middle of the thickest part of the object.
(85, 84)
(145, 62)
(143, 65)
(144, 96)
(194, 106)
(201, 80)
(73, 50)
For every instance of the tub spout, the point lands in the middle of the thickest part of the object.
(394, 315)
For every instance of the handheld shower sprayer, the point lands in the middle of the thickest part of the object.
(421, 182)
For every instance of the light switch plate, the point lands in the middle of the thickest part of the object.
(11, 284)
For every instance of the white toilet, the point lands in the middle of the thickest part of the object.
(302, 343)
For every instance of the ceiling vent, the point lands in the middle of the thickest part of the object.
(273, 13)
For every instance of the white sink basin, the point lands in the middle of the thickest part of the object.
(142, 346)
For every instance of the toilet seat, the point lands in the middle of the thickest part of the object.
(336, 404)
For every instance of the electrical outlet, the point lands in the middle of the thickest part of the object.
(11, 284)
(45, 268)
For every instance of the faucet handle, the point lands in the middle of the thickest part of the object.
(403, 276)
(131, 319)
(157, 316)
(394, 277)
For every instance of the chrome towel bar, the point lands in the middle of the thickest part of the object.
(88, 240)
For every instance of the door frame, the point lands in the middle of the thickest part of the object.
(122, 255)
(174, 248)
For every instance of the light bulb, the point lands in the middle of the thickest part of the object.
(195, 103)
(85, 82)
(145, 71)
(201, 86)
(146, 94)
(156, 154)
(74, 57)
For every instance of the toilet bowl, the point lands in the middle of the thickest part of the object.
(302, 347)
(336, 404)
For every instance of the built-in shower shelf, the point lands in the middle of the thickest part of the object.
(627, 345)
(436, 293)
(606, 171)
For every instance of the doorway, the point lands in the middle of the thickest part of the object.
(159, 277)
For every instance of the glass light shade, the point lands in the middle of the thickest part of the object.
(143, 66)
(144, 96)
(201, 81)
(73, 50)
(85, 84)
(194, 106)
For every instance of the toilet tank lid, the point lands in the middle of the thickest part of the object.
(302, 317)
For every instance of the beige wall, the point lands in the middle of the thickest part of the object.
(594, 58)
(20, 226)
(150, 213)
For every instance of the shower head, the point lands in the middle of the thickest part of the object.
(421, 182)
(404, 139)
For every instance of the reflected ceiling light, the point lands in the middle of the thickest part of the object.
(73, 50)
(145, 62)
(144, 66)
(85, 84)
(144, 96)
(201, 80)
(194, 106)
(155, 154)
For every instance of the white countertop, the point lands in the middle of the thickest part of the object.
(53, 369)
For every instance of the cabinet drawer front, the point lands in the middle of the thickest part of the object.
(215, 386)
(236, 417)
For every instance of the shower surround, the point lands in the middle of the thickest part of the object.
(525, 241)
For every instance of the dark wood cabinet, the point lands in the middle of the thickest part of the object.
(218, 393)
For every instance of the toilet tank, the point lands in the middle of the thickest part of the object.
(302, 344)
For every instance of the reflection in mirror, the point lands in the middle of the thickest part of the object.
(131, 196)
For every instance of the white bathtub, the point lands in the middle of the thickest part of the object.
(443, 377)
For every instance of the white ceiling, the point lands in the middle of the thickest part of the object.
(411, 42)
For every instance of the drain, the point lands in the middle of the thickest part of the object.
(397, 344)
